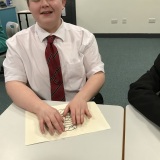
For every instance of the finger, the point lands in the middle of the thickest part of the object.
(57, 122)
(57, 127)
(73, 116)
(82, 116)
(41, 125)
(50, 127)
(88, 114)
(60, 122)
(66, 111)
(78, 116)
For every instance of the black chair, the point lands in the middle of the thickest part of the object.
(98, 99)
(2, 55)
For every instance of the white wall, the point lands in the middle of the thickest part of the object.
(96, 15)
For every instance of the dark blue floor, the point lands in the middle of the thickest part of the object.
(5, 101)
(126, 59)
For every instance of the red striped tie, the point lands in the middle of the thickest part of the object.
(56, 81)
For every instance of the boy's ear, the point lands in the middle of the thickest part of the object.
(64, 2)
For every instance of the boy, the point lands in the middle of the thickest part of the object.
(27, 74)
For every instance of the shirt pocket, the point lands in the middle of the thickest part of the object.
(75, 76)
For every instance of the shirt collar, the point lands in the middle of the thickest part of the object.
(42, 34)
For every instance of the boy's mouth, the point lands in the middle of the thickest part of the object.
(46, 12)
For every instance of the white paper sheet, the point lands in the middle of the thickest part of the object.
(94, 124)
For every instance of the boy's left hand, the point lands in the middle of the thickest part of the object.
(78, 108)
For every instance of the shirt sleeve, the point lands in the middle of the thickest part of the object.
(92, 57)
(143, 94)
(13, 65)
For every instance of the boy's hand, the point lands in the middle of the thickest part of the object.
(50, 119)
(78, 109)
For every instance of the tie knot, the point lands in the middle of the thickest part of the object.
(50, 39)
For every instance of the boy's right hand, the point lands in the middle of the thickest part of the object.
(50, 119)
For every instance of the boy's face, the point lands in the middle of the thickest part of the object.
(47, 13)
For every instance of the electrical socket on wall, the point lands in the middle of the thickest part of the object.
(124, 20)
(152, 20)
(114, 21)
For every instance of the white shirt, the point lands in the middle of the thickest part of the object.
(78, 52)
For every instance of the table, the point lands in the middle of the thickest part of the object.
(104, 145)
(25, 12)
(142, 137)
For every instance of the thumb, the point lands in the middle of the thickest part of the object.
(88, 114)
(66, 110)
